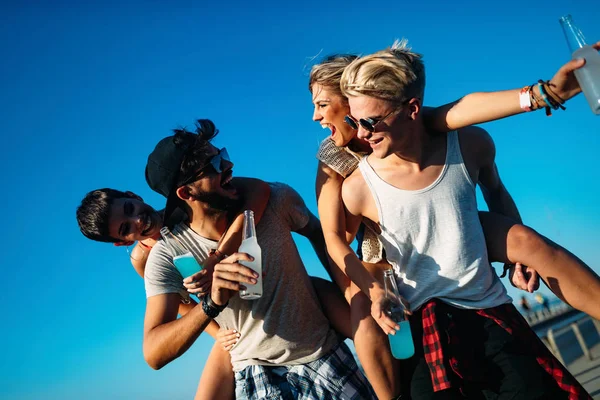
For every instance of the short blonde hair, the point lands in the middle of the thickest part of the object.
(329, 72)
(395, 74)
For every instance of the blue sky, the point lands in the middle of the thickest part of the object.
(87, 91)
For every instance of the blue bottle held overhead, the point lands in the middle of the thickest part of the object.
(589, 75)
(402, 342)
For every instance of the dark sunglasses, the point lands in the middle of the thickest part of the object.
(369, 124)
(215, 161)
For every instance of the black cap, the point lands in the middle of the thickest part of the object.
(163, 168)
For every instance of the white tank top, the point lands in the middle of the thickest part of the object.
(433, 238)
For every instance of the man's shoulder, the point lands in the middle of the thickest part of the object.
(354, 188)
(475, 136)
(158, 249)
(158, 257)
(354, 181)
(280, 191)
(476, 144)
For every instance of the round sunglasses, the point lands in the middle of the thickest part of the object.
(369, 124)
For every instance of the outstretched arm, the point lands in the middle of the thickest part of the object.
(480, 107)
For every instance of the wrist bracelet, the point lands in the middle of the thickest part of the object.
(555, 100)
(545, 98)
(209, 307)
(525, 99)
(218, 253)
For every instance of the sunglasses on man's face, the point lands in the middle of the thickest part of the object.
(215, 162)
(369, 124)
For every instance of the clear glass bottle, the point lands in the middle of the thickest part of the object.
(588, 76)
(251, 247)
(402, 342)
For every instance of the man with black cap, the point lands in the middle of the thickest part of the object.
(287, 348)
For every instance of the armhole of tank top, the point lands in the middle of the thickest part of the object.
(458, 151)
(366, 172)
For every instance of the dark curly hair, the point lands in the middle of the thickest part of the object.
(198, 147)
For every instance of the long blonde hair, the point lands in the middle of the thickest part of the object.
(329, 72)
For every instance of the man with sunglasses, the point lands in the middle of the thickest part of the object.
(418, 186)
(287, 349)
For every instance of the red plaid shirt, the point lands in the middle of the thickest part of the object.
(438, 355)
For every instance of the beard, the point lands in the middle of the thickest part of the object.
(218, 203)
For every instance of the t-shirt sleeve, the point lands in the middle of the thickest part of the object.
(290, 206)
(161, 276)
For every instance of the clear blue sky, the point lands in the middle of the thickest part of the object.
(87, 91)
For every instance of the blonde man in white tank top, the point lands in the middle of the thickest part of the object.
(419, 187)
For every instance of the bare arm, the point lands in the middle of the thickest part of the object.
(217, 381)
(474, 108)
(480, 148)
(494, 192)
(139, 257)
(257, 196)
(314, 233)
(212, 329)
(333, 222)
(480, 107)
(353, 200)
(165, 336)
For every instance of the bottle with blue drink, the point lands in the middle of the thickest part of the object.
(588, 76)
(402, 342)
(184, 260)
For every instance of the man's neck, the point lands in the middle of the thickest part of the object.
(210, 224)
(413, 149)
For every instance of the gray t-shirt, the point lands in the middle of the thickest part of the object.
(286, 326)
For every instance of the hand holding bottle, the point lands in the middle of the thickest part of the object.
(231, 276)
(380, 307)
(587, 75)
(401, 341)
(564, 83)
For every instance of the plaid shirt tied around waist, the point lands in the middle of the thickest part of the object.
(452, 363)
